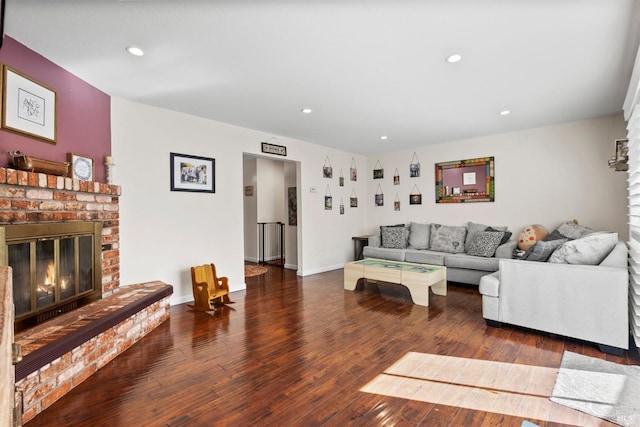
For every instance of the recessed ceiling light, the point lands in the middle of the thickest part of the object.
(135, 51)
(383, 137)
(454, 58)
(505, 112)
(306, 110)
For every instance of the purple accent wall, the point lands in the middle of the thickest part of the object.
(84, 112)
(452, 177)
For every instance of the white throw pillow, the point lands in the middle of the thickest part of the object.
(589, 250)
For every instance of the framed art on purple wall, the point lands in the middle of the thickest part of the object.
(471, 180)
(29, 107)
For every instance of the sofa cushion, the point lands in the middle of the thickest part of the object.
(470, 262)
(474, 227)
(485, 243)
(394, 237)
(573, 231)
(541, 251)
(505, 238)
(424, 257)
(419, 235)
(383, 253)
(588, 250)
(445, 238)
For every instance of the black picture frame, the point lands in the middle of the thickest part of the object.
(192, 173)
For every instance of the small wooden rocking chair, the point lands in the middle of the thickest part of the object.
(208, 288)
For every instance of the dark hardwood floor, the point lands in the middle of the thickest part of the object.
(296, 352)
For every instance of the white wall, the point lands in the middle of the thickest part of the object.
(542, 176)
(291, 231)
(271, 192)
(250, 211)
(163, 233)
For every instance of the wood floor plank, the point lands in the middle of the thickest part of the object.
(296, 351)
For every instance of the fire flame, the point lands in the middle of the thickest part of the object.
(50, 276)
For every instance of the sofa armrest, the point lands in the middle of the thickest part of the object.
(506, 249)
(374, 241)
(582, 301)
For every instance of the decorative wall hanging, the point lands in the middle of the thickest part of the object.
(279, 150)
(81, 166)
(415, 198)
(353, 171)
(379, 198)
(396, 178)
(248, 190)
(341, 206)
(192, 173)
(327, 170)
(414, 167)
(328, 200)
(396, 203)
(341, 179)
(29, 106)
(293, 205)
(471, 180)
(353, 200)
(378, 171)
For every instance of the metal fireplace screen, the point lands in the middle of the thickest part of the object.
(56, 268)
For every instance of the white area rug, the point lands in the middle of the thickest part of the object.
(603, 389)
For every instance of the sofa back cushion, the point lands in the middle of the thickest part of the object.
(419, 235)
(445, 238)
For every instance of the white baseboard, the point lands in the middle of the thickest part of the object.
(320, 270)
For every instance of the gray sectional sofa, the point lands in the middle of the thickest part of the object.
(469, 252)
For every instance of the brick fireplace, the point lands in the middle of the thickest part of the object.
(62, 352)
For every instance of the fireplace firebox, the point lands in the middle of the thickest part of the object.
(56, 268)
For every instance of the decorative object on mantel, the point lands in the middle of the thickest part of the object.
(378, 171)
(415, 198)
(353, 171)
(379, 198)
(414, 167)
(279, 150)
(396, 203)
(341, 179)
(327, 170)
(353, 200)
(192, 173)
(29, 106)
(451, 186)
(32, 164)
(341, 206)
(620, 159)
(328, 200)
(396, 178)
(81, 166)
(108, 167)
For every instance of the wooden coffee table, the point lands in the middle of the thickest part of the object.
(418, 278)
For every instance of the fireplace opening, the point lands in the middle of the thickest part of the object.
(56, 268)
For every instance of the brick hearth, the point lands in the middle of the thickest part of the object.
(98, 332)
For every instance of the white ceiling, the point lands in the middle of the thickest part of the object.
(366, 67)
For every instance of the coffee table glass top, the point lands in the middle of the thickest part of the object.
(403, 266)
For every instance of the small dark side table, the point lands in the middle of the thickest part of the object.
(359, 242)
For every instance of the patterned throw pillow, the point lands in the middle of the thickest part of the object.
(445, 238)
(485, 243)
(541, 251)
(394, 237)
(573, 230)
(589, 250)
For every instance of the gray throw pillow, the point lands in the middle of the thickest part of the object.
(541, 251)
(419, 235)
(589, 250)
(473, 228)
(394, 237)
(485, 243)
(445, 238)
(573, 230)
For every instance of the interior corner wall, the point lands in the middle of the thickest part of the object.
(291, 231)
(270, 190)
(545, 176)
(163, 233)
(250, 209)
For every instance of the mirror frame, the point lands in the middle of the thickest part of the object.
(443, 196)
